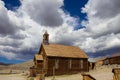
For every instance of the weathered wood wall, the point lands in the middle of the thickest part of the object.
(112, 60)
(64, 68)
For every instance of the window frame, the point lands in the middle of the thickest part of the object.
(56, 63)
(70, 63)
(81, 63)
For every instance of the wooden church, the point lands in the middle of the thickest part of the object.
(58, 59)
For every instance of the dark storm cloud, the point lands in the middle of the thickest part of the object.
(106, 52)
(27, 53)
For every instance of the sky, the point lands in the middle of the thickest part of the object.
(92, 25)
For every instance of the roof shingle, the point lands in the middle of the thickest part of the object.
(57, 50)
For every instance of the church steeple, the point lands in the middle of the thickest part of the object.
(46, 38)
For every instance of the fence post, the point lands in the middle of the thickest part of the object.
(53, 73)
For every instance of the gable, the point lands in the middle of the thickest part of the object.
(41, 51)
(38, 57)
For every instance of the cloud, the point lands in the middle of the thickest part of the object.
(6, 27)
(21, 31)
(27, 32)
(9, 21)
(44, 12)
(109, 7)
(103, 25)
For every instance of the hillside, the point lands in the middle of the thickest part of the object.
(22, 66)
(16, 68)
(1, 63)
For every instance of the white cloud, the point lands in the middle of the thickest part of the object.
(103, 24)
(6, 27)
(26, 27)
(102, 8)
(44, 12)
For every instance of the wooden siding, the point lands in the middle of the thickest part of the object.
(32, 71)
(112, 60)
(63, 66)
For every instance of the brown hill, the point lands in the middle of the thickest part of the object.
(5, 64)
(22, 66)
(16, 68)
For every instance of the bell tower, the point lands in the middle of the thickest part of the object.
(46, 38)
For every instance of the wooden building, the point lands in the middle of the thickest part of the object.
(62, 59)
(100, 61)
(114, 59)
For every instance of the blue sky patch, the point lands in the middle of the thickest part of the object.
(7, 61)
(12, 4)
(73, 7)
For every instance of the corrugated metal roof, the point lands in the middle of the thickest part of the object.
(58, 50)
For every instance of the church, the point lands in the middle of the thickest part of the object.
(58, 59)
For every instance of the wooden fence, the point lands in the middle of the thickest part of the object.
(88, 77)
(116, 72)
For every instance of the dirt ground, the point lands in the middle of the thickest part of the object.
(12, 77)
(100, 73)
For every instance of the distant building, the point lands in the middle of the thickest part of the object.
(100, 61)
(59, 59)
(114, 59)
(92, 63)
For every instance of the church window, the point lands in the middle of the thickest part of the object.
(81, 64)
(70, 63)
(56, 63)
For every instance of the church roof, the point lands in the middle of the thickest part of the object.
(58, 50)
(38, 57)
